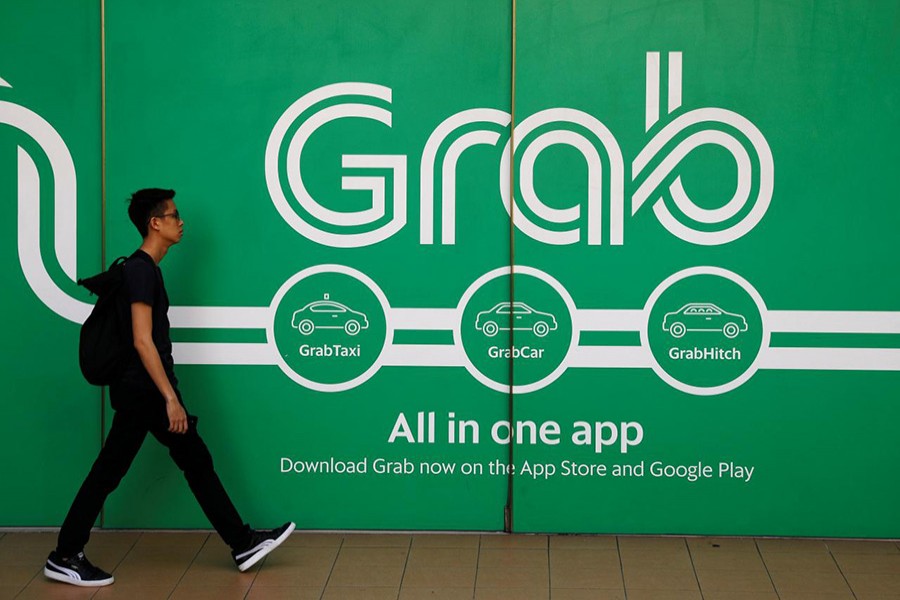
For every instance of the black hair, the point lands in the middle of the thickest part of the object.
(146, 204)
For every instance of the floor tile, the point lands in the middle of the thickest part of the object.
(20, 575)
(175, 552)
(163, 571)
(44, 589)
(869, 563)
(303, 556)
(767, 546)
(576, 594)
(739, 595)
(604, 559)
(218, 577)
(16, 550)
(288, 575)
(734, 581)
(214, 567)
(284, 593)
(120, 591)
(664, 595)
(309, 566)
(436, 593)
(206, 592)
(862, 547)
(511, 593)
(376, 540)
(810, 562)
(733, 561)
(8, 592)
(444, 540)
(314, 540)
(116, 537)
(107, 556)
(360, 593)
(564, 575)
(596, 542)
(660, 579)
(644, 543)
(366, 575)
(514, 541)
(506, 577)
(801, 595)
(150, 575)
(722, 544)
(798, 581)
(164, 549)
(874, 583)
(372, 556)
(513, 557)
(45, 540)
(451, 557)
(657, 559)
(172, 539)
(439, 577)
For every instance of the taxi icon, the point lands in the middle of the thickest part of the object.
(514, 315)
(329, 314)
(703, 316)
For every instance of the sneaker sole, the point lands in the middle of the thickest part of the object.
(51, 574)
(265, 551)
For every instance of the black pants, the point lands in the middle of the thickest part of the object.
(139, 409)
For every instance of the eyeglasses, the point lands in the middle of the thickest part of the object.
(175, 214)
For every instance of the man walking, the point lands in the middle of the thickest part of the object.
(146, 400)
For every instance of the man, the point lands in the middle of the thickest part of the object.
(146, 399)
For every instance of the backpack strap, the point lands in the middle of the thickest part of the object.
(98, 284)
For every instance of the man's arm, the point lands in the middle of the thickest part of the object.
(142, 330)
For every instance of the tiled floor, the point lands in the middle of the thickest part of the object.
(449, 567)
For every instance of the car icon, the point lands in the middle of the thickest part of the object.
(514, 315)
(328, 314)
(703, 316)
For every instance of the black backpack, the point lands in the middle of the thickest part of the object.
(106, 341)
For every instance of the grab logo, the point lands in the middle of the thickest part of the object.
(653, 173)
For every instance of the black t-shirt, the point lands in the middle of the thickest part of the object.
(144, 283)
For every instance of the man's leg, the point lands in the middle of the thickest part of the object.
(192, 456)
(122, 445)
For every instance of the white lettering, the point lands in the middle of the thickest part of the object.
(571, 468)
(704, 353)
(606, 433)
(401, 429)
(330, 351)
(524, 353)
(692, 472)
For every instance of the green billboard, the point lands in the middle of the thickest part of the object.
(50, 176)
(533, 266)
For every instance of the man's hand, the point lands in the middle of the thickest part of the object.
(178, 422)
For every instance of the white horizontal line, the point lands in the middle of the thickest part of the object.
(826, 321)
(593, 357)
(219, 317)
(436, 319)
(423, 318)
(433, 355)
(227, 353)
(608, 320)
(423, 355)
(831, 359)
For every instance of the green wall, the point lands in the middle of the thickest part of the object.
(49, 55)
(701, 332)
